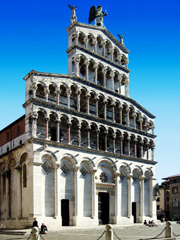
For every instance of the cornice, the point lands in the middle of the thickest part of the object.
(87, 150)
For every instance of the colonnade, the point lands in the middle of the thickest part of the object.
(89, 103)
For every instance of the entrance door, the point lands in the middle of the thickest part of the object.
(65, 212)
(134, 210)
(103, 208)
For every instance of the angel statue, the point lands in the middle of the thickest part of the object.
(98, 15)
(73, 16)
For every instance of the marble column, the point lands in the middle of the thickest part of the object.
(135, 148)
(114, 142)
(96, 106)
(57, 96)
(127, 89)
(69, 133)
(141, 202)
(127, 111)
(121, 145)
(97, 139)
(128, 146)
(57, 130)
(68, 97)
(117, 197)
(104, 71)
(46, 127)
(34, 125)
(150, 198)
(153, 149)
(88, 138)
(95, 73)
(93, 192)
(46, 94)
(134, 119)
(105, 140)
(79, 136)
(141, 149)
(140, 124)
(77, 60)
(76, 193)
(147, 149)
(129, 203)
(120, 115)
(112, 80)
(105, 110)
(113, 115)
(87, 69)
(78, 100)
(87, 103)
(120, 79)
(95, 45)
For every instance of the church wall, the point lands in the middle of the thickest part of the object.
(86, 144)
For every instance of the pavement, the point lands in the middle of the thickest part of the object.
(123, 232)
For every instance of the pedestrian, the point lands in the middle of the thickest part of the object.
(35, 223)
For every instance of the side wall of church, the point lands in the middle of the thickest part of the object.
(16, 188)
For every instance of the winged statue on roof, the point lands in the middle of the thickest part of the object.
(98, 15)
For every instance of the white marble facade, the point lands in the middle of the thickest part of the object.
(88, 156)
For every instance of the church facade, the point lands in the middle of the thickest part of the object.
(83, 153)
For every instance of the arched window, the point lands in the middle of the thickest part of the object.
(24, 176)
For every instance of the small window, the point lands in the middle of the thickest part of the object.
(158, 199)
(103, 177)
(24, 175)
(175, 190)
(175, 203)
(158, 207)
(167, 198)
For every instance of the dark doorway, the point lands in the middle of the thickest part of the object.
(103, 208)
(65, 212)
(134, 210)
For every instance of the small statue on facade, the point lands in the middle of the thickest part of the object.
(121, 39)
(73, 16)
(98, 15)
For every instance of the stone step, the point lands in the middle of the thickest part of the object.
(12, 232)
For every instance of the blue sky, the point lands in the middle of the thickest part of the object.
(33, 36)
